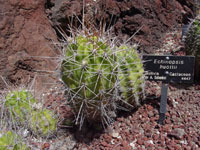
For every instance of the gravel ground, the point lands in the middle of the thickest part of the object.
(140, 130)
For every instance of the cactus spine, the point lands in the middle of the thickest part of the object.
(99, 75)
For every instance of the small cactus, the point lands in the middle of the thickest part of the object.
(43, 122)
(19, 103)
(192, 43)
(11, 141)
(96, 72)
(23, 107)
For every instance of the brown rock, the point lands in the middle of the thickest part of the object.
(104, 144)
(150, 114)
(153, 119)
(25, 32)
(178, 133)
(125, 143)
(155, 137)
(166, 128)
(168, 121)
(152, 18)
(127, 148)
(45, 146)
(140, 141)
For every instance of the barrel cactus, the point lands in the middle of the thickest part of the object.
(43, 123)
(19, 103)
(192, 43)
(97, 73)
(11, 141)
(89, 71)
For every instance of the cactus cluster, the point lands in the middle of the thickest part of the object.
(11, 141)
(20, 104)
(192, 43)
(99, 76)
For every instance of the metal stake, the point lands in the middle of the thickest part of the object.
(163, 103)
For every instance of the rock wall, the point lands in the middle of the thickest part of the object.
(25, 32)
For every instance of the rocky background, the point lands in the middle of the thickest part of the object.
(153, 18)
(27, 30)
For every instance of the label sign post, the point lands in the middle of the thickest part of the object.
(168, 69)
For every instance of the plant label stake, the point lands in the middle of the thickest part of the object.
(163, 103)
(168, 69)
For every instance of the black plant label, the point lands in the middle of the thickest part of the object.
(169, 69)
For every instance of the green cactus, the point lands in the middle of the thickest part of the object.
(89, 71)
(130, 75)
(97, 73)
(11, 141)
(19, 103)
(43, 122)
(21, 106)
(192, 43)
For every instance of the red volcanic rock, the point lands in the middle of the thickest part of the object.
(45, 146)
(140, 141)
(149, 108)
(150, 19)
(178, 133)
(155, 137)
(25, 31)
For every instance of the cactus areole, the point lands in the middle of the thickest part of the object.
(99, 74)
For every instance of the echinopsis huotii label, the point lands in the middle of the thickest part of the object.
(174, 69)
